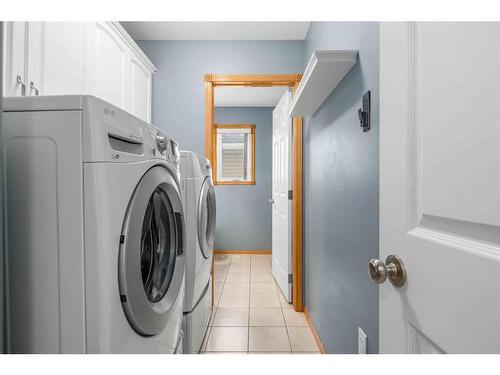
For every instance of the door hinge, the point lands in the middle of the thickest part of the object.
(290, 278)
(290, 195)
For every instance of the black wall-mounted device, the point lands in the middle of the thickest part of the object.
(364, 113)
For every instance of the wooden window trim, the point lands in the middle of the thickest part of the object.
(267, 80)
(215, 162)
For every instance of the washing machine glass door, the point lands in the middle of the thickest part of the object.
(151, 261)
(206, 218)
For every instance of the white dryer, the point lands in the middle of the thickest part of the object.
(199, 196)
(95, 229)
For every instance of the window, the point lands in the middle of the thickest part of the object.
(235, 154)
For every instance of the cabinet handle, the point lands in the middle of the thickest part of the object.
(20, 81)
(33, 87)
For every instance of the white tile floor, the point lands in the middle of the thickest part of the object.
(250, 313)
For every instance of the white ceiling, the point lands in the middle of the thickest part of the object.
(248, 96)
(217, 30)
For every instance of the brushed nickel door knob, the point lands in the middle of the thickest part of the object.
(393, 269)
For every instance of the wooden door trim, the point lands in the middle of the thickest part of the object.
(253, 80)
(268, 80)
(297, 141)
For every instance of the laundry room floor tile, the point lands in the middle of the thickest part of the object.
(262, 353)
(264, 300)
(231, 318)
(237, 287)
(235, 277)
(268, 339)
(239, 270)
(205, 340)
(228, 339)
(217, 292)
(222, 259)
(259, 268)
(219, 277)
(251, 314)
(225, 353)
(284, 303)
(234, 300)
(266, 318)
(264, 258)
(261, 277)
(222, 269)
(269, 288)
(294, 318)
(302, 339)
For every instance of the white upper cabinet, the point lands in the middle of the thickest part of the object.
(62, 69)
(14, 67)
(107, 63)
(34, 57)
(63, 58)
(140, 84)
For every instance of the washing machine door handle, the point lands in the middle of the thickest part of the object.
(181, 238)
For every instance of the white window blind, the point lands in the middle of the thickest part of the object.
(234, 154)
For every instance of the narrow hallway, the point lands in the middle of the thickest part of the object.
(250, 313)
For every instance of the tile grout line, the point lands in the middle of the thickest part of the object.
(217, 305)
(248, 309)
(284, 320)
(249, 296)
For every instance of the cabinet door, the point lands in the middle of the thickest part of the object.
(15, 39)
(34, 57)
(108, 61)
(62, 58)
(140, 90)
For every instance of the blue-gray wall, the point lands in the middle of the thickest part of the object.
(243, 211)
(178, 89)
(341, 188)
(178, 108)
(340, 162)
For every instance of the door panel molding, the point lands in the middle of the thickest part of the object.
(439, 200)
(425, 224)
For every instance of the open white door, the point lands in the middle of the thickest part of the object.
(440, 186)
(281, 200)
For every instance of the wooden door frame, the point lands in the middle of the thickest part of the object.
(267, 80)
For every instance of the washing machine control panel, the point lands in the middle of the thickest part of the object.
(164, 147)
(161, 143)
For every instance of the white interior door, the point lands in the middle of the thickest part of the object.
(440, 186)
(281, 202)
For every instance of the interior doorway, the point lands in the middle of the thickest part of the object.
(213, 81)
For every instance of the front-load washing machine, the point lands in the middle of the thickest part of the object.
(95, 231)
(199, 196)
